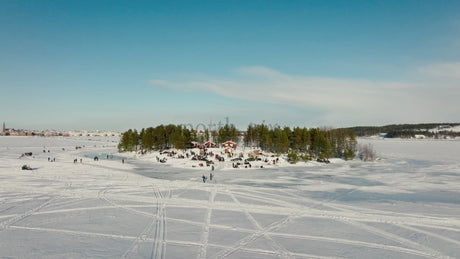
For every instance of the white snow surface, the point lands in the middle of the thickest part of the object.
(404, 205)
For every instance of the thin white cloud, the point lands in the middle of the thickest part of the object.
(162, 83)
(342, 100)
(444, 71)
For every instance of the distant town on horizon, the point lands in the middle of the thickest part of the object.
(54, 133)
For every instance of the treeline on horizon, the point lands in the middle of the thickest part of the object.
(406, 130)
(298, 142)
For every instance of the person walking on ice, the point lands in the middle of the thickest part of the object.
(204, 178)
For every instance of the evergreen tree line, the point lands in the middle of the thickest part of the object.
(172, 136)
(405, 130)
(340, 143)
(429, 134)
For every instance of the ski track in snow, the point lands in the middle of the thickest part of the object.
(107, 187)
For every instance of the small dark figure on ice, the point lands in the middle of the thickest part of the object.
(26, 167)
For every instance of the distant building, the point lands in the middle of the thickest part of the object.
(209, 144)
(195, 144)
(230, 144)
(5, 131)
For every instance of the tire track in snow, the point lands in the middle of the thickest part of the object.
(356, 222)
(243, 248)
(112, 206)
(75, 232)
(5, 224)
(176, 242)
(382, 233)
(159, 239)
(250, 238)
(427, 252)
(279, 250)
(256, 234)
(409, 243)
(279, 203)
(355, 243)
(379, 232)
(102, 195)
(205, 234)
(401, 218)
(340, 215)
(141, 238)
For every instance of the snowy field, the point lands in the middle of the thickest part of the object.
(405, 205)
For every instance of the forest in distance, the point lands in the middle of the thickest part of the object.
(408, 130)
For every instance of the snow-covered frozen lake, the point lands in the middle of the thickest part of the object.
(405, 205)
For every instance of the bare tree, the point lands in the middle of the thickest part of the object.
(366, 152)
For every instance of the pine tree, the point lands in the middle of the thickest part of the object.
(147, 139)
(129, 141)
(280, 141)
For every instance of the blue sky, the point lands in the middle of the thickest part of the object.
(131, 64)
